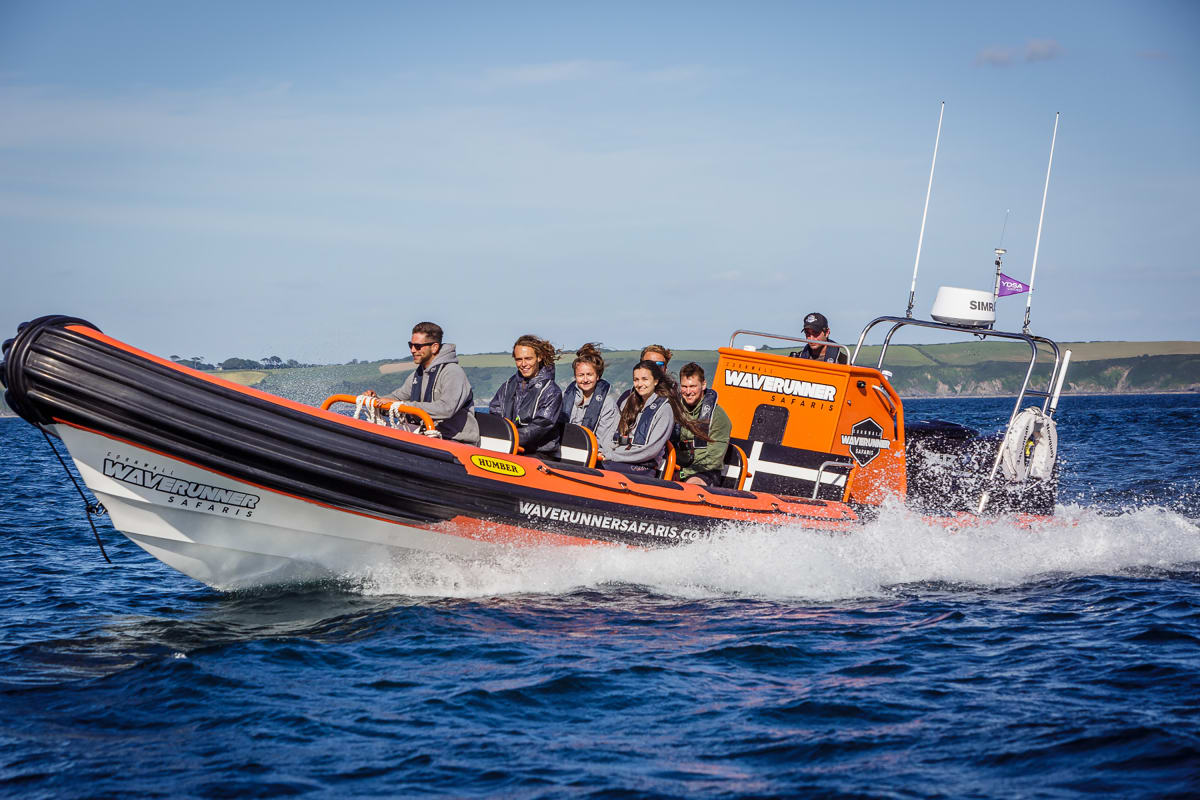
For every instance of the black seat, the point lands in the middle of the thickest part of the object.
(733, 471)
(497, 433)
(578, 446)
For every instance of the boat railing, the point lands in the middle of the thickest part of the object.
(1047, 395)
(780, 336)
(393, 408)
(828, 465)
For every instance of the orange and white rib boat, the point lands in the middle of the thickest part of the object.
(239, 488)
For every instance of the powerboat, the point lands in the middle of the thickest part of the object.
(239, 488)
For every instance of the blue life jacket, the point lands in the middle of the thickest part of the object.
(452, 425)
(522, 413)
(591, 415)
(645, 418)
(834, 355)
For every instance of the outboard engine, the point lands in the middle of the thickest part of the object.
(945, 464)
(948, 466)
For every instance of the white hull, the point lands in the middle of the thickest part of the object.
(256, 537)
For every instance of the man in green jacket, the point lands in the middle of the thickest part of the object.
(701, 462)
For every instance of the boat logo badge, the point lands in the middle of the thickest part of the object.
(498, 465)
(865, 440)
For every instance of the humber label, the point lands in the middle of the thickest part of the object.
(498, 465)
(609, 523)
(774, 385)
(184, 493)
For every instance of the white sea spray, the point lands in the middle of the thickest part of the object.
(898, 549)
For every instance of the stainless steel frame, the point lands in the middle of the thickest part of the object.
(1033, 341)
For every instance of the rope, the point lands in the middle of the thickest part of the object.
(364, 403)
(365, 407)
(97, 509)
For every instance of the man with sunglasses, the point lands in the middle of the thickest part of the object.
(816, 329)
(661, 356)
(439, 385)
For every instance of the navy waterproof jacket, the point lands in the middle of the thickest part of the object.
(534, 406)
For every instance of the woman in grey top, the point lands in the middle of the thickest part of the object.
(639, 442)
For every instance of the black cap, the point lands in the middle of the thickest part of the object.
(816, 321)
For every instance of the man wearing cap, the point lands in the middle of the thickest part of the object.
(816, 329)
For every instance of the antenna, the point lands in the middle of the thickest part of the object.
(1000, 251)
(912, 292)
(1041, 217)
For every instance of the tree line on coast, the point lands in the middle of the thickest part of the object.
(267, 362)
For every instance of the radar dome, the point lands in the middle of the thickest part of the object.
(970, 308)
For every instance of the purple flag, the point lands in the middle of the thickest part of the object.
(1011, 286)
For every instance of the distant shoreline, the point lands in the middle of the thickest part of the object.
(1064, 394)
(10, 415)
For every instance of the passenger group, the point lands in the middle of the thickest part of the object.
(632, 431)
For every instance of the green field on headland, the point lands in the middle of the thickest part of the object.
(961, 369)
(966, 369)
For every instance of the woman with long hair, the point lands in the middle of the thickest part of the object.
(588, 401)
(650, 413)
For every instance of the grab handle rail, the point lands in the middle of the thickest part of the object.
(382, 405)
(781, 337)
(821, 474)
(891, 410)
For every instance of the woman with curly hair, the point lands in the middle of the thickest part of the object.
(650, 414)
(588, 401)
(531, 398)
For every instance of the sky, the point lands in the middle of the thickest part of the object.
(308, 180)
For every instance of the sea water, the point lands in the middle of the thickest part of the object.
(902, 660)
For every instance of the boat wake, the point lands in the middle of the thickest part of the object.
(896, 554)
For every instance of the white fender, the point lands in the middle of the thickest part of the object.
(1030, 447)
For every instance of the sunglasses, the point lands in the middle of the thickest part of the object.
(661, 363)
(419, 345)
(812, 334)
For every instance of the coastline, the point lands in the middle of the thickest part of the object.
(1064, 394)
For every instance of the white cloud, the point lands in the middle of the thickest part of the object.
(1042, 50)
(678, 74)
(550, 73)
(1035, 50)
(994, 57)
(577, 71)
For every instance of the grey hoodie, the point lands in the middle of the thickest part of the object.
(451, 392)
(655, 447)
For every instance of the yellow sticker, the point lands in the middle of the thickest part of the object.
(498, 465)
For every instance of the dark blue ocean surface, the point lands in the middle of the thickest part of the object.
(902, 660)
